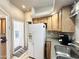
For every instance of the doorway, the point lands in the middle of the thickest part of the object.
(3, 38)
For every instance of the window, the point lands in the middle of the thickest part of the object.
(18, 34)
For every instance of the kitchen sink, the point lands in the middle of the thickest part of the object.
(62, 57)
(62, 48)
(74, 53)
(66, 52)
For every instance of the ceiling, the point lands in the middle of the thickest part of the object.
(31, 3)
(60, 3)
(56, 4)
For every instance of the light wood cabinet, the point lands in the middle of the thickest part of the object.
(41, 20)
(68, 24)
(49, 24)
(59, 22)
(51, 21)
(48, 50)
(3, 25)
(35, 21)
(3, 50)
(55, 22)
(0, 26)
(45, 19)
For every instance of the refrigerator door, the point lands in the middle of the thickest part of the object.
(37, 39)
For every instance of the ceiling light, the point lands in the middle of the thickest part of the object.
(23, 6)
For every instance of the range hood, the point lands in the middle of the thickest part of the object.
(75, 10)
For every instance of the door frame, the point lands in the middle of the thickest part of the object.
(8, 36)
(9, 46)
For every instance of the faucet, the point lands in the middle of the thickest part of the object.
(31, 57)
(75, 45)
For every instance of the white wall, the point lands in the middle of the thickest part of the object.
(28, 16)
(11, 9)
(77, 28)
(6, 8)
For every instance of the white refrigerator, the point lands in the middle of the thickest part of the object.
(36, 42)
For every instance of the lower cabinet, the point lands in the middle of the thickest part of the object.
(48, 50)
(3, 50)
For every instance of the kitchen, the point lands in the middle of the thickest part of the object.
(60, 19)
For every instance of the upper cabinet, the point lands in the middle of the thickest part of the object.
(41, 20)
(35, 21)
(68, 24)
(49, 24)
(55, 22)
(59, 22)
(2, 26)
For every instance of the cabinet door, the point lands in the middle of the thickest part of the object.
(3, 25)
(60, 20)
(0, 26)
(48, 50)
(67, 23)
(3, 47)
(35, 21)
(49, 24)
(44, 20)
(55, 22)
(41, 20)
